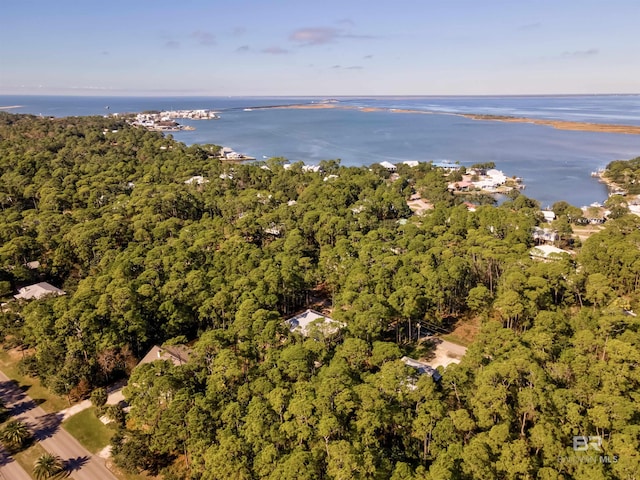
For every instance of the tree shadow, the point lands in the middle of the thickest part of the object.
(24, 388)
(73, 464)
(47, 426)
(5, 457)
(11, 392)
(426, 348)
(24, 406)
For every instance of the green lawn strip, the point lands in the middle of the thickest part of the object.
(88, 430)
(455, 339)
(49, 402)
(28, 457)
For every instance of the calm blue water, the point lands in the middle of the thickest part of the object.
(555, 164)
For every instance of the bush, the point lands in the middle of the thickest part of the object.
(99, 398)
(116, 413)
(80, 391)
(28, 366)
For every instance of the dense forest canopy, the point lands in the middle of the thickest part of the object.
(219, 263)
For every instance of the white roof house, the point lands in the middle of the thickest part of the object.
(37, 291)
(411, 163)
(549, 215)
(389, 166)
(497, 176)
(306, 321)
(422, 368)
(197, 180)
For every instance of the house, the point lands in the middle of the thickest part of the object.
(411, 163)
(274, 230)
(390, 167)
(547, 252)
(196, 180)
(549, 215)
(545, 235)
(38, 291)
(496, 176)
(446, 165)
(422, 368)
(306, 321)
(176, 354)
(461, 186)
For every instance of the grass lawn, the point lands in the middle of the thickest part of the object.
(89, 430)
(27, 457)
(456, 339)
(49, 402)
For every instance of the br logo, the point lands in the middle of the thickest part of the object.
(583, 444)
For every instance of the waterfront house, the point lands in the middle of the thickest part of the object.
(461, 186)
(446, 165)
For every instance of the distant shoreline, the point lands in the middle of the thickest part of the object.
(558, 124)
(10, 107)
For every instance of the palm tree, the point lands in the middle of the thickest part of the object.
(47, 466)
(15, 433)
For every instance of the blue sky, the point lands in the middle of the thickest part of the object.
(324, 48)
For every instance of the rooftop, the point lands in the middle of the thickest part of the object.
(37, 291)
(422, 368)
(176, 354)
(305, 321)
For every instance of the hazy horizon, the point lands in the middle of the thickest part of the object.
(288, 48)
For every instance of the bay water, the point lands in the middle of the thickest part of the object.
(555, 164)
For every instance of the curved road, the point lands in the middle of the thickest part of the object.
(53, 438)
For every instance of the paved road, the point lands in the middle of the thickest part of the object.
(53, 438)
(10, 469)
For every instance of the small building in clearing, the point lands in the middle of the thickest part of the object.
(38, 291)
(422, 368)
(196, 180)
(309, 320)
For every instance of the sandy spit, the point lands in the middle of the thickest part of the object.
(559, 124)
